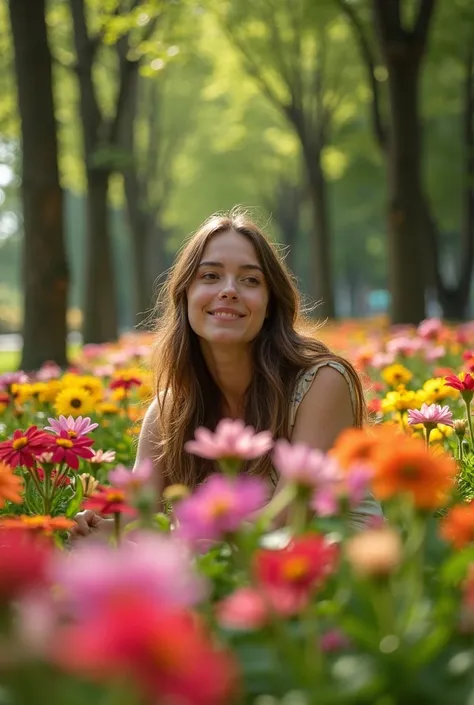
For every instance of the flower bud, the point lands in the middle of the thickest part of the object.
(89, 484)
(174, 493)
(375, 553)
(460, 427)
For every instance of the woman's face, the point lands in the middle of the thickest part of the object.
(228, 297)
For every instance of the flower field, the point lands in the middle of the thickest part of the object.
(228, 595)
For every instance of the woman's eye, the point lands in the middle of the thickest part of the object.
(209, 276)
(252, 280)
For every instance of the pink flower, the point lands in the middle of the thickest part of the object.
(435, 353)
(232, 439)
(351, 489)
(430, 328)
(244, 609)
(403, 345)
(9, 378)
(157, 567)
(48, 371)
(131, 480)
(219, 506)
(334, 640)
(303, 465)
(382, 359)
(74, 427)
(103, 456)
(431, 415)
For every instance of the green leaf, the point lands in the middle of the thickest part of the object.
(75, 503)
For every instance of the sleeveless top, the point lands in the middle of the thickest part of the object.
(369, 507)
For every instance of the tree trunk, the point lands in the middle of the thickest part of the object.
(100, 309)
(45, 270)
(321, 280)
(406, 198)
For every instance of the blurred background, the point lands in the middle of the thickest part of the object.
(346, 127)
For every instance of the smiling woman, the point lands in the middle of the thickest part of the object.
(229, 343)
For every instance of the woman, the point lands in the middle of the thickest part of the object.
(228, 346)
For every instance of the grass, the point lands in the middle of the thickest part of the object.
(10, 359)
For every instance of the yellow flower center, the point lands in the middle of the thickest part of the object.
(20, 443)
(295, 568)
(64, 443)
(219, 508)
(72, 434)
(115, 496)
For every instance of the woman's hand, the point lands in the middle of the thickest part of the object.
(88, 522)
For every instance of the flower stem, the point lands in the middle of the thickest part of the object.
(117, 528)
(469, 421)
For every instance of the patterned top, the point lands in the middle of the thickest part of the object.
(369, 507)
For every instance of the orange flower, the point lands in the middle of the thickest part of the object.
(409, 468)
(457, 527)
(42, 524)
(10, 485)
(355, 445)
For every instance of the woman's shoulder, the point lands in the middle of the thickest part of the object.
(334, 373)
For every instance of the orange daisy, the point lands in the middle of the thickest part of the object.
(355, 445)
(409, 468)
(42, 524)
(457, 527)
(10, 485)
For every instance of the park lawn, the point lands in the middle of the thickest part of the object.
(10, 359)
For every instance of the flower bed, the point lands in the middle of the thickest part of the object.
(207, 602)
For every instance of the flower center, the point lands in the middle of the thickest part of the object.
(76, 403)
(20, 443)
(115, 496)
(296, 568)
(410, 472)
(219, 508)
(72, 434)
(64, 443)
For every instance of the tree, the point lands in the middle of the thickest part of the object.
(45, 271)
(288, 49)
(101, 134)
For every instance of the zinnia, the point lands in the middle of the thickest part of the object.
(232, 439)
(24, 447)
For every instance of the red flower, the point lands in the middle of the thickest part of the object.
(23, 562)
(37, 523)
(164, 651)
(125, 383)
(24, 447)
(62, 482)
(66, 449)
(289, 576)
(109, 500)
(4, 398)
(464, 384)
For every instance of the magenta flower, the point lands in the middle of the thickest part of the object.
(431, 415)
(232, 439)
(73, 427)
(131, 480)
(351, 489)
(68, 449)
(159, 568)
(219, 507)
(431, 328)
(245, 609)
(304, 466)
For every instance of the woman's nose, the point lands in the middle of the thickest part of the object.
(228, 291)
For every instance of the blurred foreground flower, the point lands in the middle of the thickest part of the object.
(219, 506)
(38, 523)
(163, 650)
(10, 485)
(232, 439)
(374, 553)
(23, 563)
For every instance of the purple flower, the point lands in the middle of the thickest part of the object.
(78, 427)
(158, 567)
(232, 439)
(431, 415)
(219, 507)
(304, 466)
(135, 479)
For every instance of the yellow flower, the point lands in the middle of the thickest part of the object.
(436, 390)
(119, 394)
(440, 433)
(69, 379)
(108, 408)
(50, 391)
(74, 402)
(22, 393)
(401, 400)
(91, 384)
(394, 375)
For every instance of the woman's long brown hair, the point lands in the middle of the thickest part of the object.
(188, 396)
